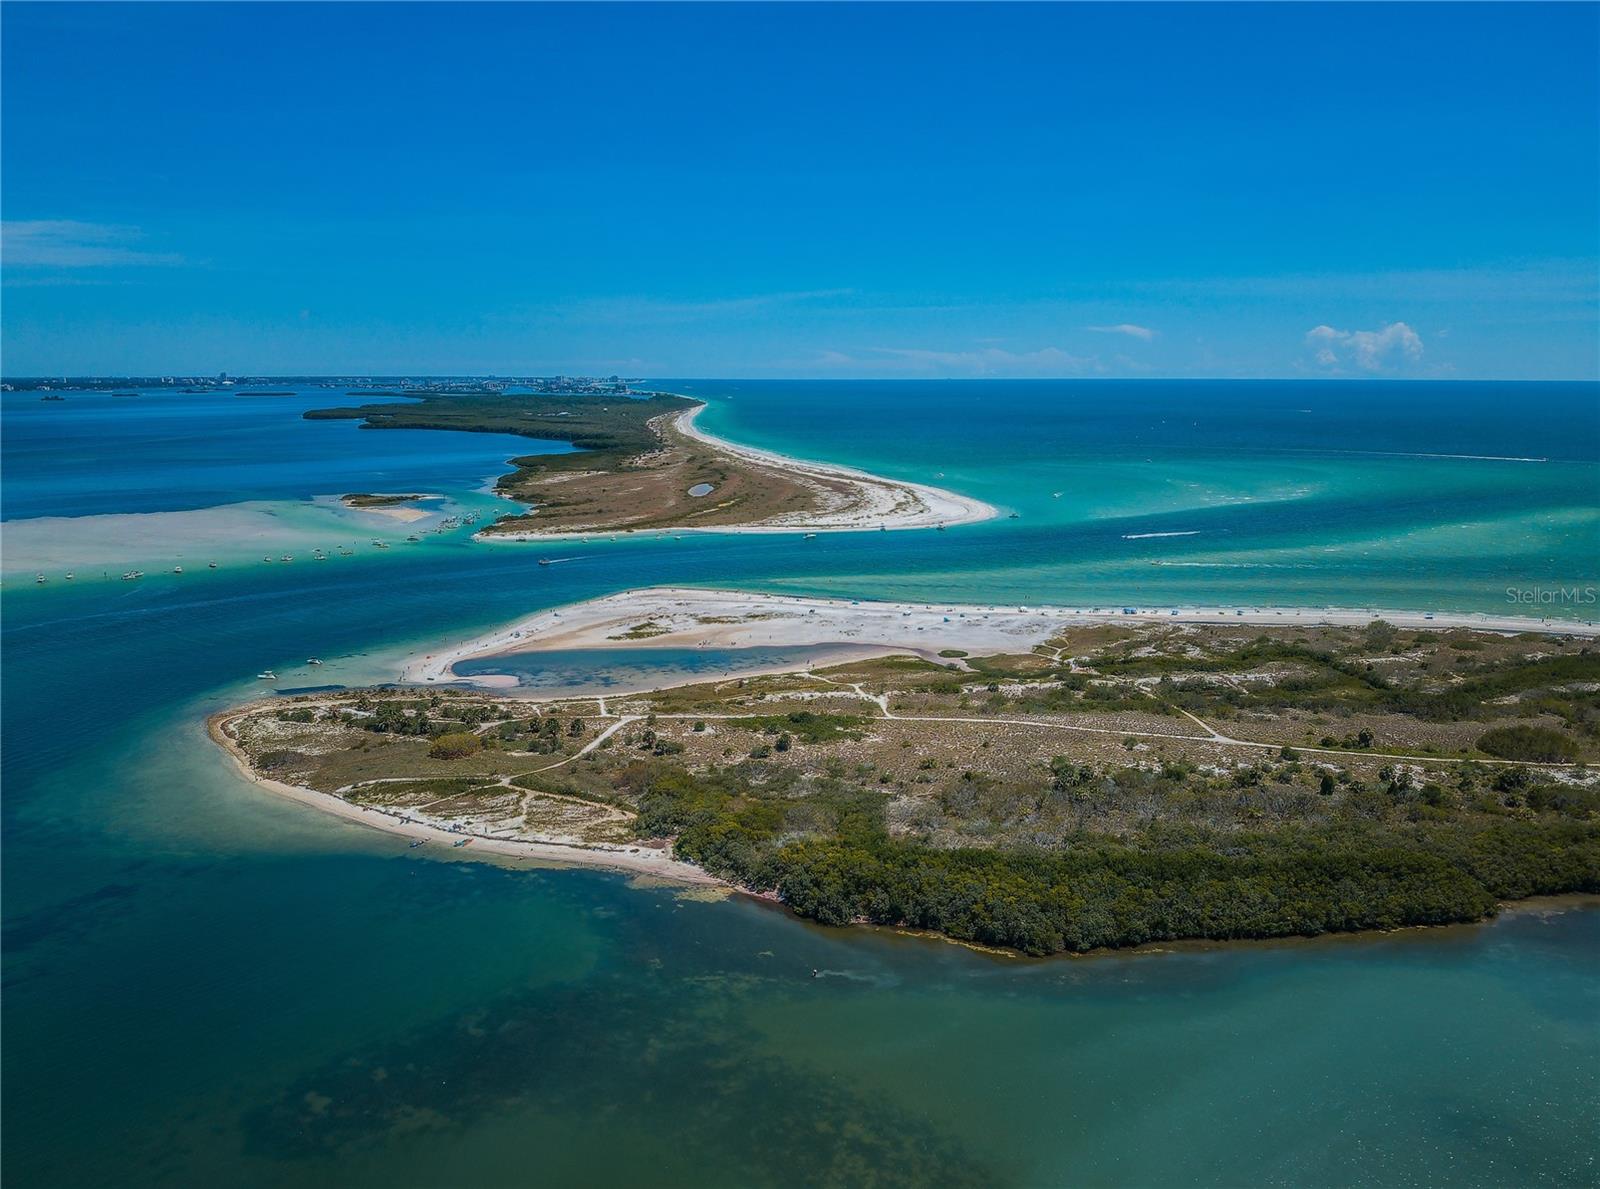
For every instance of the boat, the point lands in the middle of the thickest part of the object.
(177, 569)
(287, 557)
(1014, 516)
(69, 575)
(39, 578)
(417, 843)
(211, 566)
(312, 661)
(266, 559)
(267, 675)
(52, 396)
(132, 574)
(544, 561)
(463, 842)
(413, 537)
(809, 536)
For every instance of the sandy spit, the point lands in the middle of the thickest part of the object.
(735, 619)
(876, 503)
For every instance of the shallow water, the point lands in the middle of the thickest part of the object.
(623, 669)
(204, 984)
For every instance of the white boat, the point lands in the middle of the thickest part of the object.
(69, 575)
(177, 569)
(211, 566)
(132, 574)
(287, 557)
(269, 675)
(312, 661)
(39, 578)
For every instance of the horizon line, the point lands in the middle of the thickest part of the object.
(61, 377)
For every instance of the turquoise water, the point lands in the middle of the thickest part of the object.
(205, 985)
(1436, 496)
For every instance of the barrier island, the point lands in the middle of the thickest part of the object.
(1047, 782)
(641, 464)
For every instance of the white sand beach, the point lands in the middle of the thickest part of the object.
(405, 513)
(693, 618)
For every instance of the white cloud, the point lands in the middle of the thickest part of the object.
(68, 243)
(1369, 350)
(1127, 328)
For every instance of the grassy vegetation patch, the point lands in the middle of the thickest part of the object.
(804, 725)
(642, 631)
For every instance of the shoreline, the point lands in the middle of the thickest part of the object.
(644, 862)
(734, 619)
(631, 861)
(879, 503)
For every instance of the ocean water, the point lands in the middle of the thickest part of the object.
(96, 484)
(1431, 496)
(166, 451)
(207, 985)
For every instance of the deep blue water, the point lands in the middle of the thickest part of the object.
(163, 451)
(205, 985)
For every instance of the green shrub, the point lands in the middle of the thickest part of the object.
(454, 746)
(1537, 745)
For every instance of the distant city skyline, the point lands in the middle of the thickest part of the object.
(802, 191)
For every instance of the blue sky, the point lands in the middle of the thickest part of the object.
(802, 190)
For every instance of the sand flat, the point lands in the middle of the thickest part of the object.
(734, 619)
